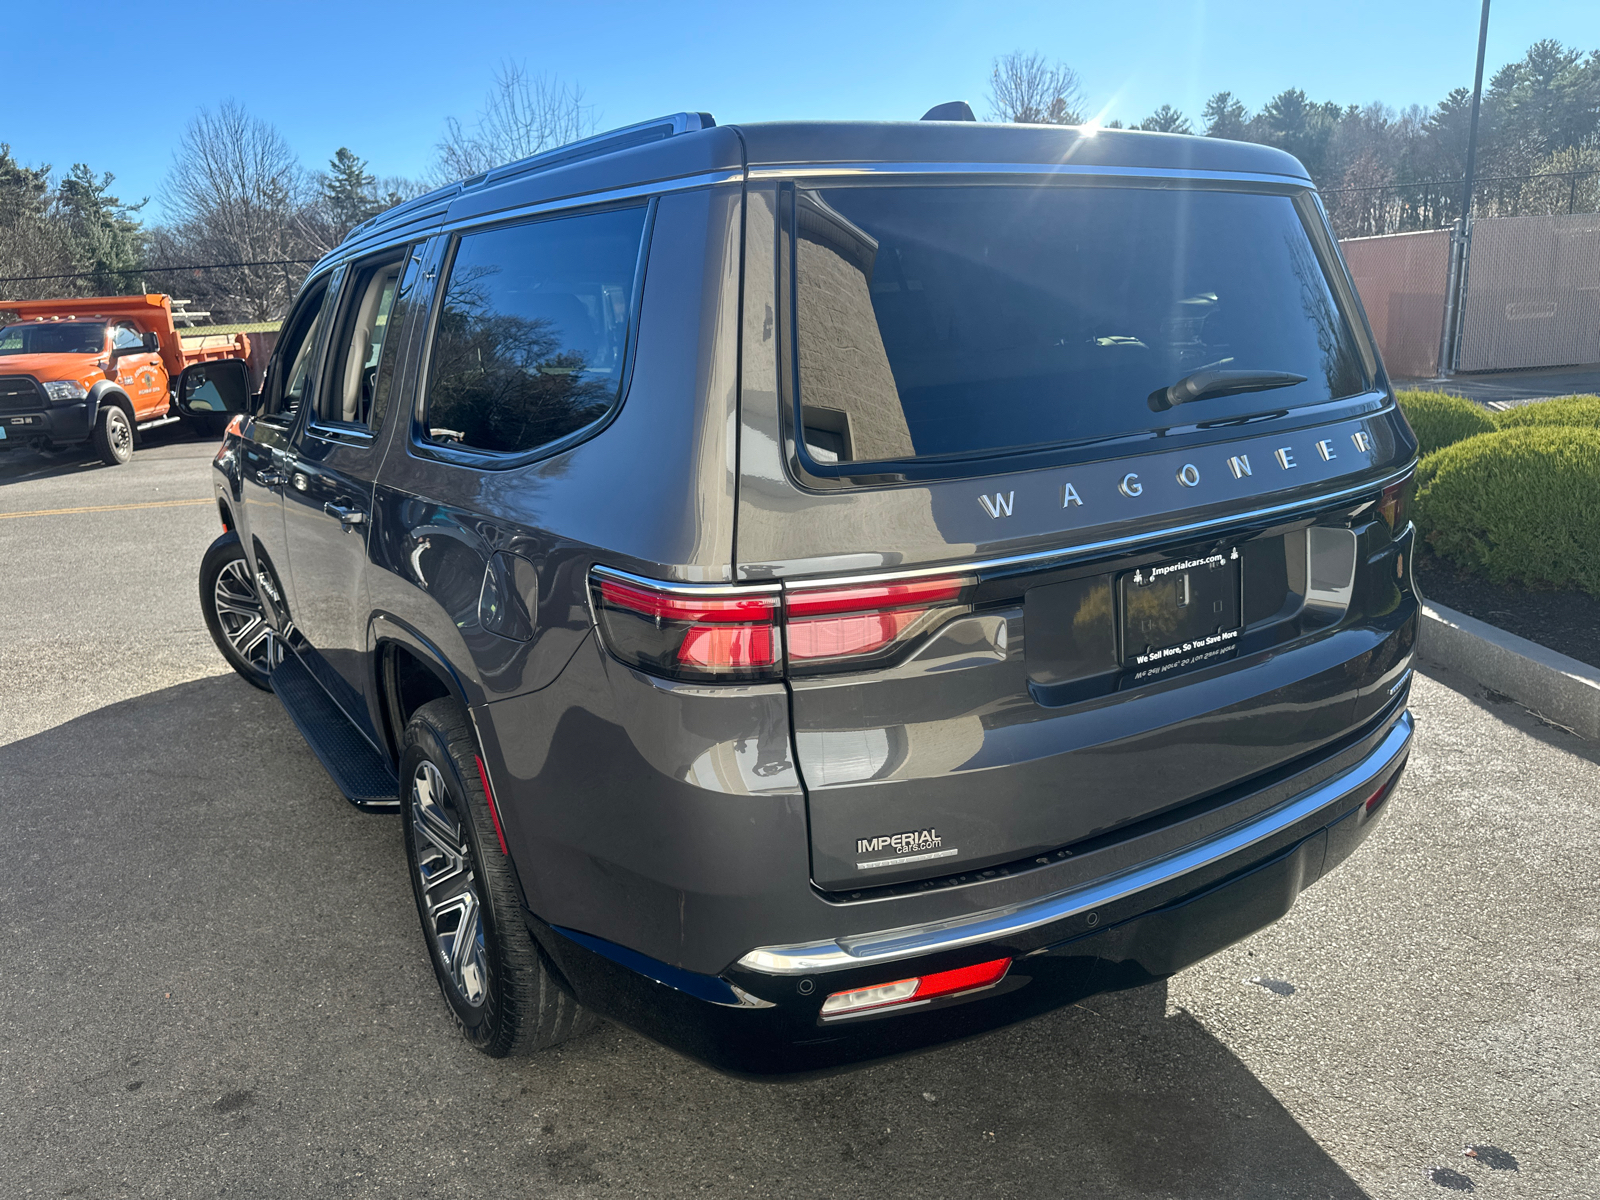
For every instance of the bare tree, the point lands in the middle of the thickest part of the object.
(237, 194)
(1027, 90)
(523, 114)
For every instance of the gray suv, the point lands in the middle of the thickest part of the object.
(814, 591)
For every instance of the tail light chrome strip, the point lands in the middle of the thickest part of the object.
(912, 941)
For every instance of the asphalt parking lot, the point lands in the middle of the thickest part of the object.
(214, 984)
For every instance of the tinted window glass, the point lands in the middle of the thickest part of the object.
(533, 331)
(126, 337)
(958, 320)
(363, 334)
(295, 354)
(395, 323)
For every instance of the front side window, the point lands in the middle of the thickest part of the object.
(296, 353)
(126, 337)
(966, 320)
(532, 333)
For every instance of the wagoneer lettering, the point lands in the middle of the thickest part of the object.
(644, 716)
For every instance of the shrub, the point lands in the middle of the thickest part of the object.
(1563, 410)
(1440, 420)
(1519, 505)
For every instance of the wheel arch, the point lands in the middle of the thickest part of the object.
(106, 392)
(411, 672)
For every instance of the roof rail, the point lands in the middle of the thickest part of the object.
(625, 138)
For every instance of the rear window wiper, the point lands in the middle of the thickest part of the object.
(1208, 382)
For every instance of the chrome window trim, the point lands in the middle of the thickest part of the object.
(640, 191)
(911, 941)
(870, 170)
(1088, 549)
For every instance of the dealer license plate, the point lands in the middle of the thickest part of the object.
(1181, 613)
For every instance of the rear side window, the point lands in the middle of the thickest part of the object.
(965, 320)
(532, 334)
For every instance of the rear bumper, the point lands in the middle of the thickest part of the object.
(761, 1016)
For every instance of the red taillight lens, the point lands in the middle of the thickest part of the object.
(918, 989)
(1395, 507)
(740, 634)
(723, 634)
(827, 627)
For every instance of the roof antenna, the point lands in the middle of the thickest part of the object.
(956, 110)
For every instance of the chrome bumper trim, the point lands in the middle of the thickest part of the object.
(911, 941)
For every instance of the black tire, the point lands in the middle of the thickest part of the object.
(500, 989)
(233, 610)
(112, 438)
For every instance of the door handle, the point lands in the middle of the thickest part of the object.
(347, 516)
(271, 478)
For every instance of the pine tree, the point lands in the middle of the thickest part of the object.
(1226, 117)
(1166, 119)
(103, 234)
(349, 192)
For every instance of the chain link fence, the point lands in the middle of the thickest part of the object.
(1532, 293)
(1380, 209)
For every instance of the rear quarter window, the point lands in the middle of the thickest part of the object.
(532, 334)
(961, 321)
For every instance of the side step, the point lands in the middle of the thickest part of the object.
(357, 769)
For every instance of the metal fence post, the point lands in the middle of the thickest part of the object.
(1447, 328)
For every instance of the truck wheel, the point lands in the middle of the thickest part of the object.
(500, 989)
(233, 611)
(113, 436)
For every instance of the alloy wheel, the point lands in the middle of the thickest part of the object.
(453, 909)
(241, 614)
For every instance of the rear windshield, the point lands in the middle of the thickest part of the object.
(57, 337)
(964, 320)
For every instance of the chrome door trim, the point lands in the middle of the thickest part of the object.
(914, 940)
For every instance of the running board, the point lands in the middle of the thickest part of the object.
(357, 769)
(156, 424)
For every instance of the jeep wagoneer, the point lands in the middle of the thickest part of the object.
(814, 591)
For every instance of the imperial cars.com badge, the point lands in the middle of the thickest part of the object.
(914, 845)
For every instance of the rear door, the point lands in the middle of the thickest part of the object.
(1030, 600)
(332, 462)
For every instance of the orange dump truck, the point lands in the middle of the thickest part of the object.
(97, 370)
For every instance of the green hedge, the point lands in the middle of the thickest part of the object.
(1563, 410)
(1520, 506)
(1440, 420)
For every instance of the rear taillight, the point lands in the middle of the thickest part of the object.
(918, 989)
(723, 634)
(1395, 506)
(859, 625)
(740, 634)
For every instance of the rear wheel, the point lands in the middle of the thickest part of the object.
(113, 436)
(499, 987)
(233, 610)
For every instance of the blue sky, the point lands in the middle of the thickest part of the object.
(382, 78)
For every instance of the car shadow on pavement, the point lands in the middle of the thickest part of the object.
(1518, 716)
(214, 982)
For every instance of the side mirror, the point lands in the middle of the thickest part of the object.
(208, 388)
(151, 341)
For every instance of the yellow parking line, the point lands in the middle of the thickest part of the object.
(93, 508)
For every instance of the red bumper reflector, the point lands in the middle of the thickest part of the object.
(917, 989)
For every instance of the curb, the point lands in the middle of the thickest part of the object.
(1557, 687)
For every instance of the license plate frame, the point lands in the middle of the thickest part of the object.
(1181, 612)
